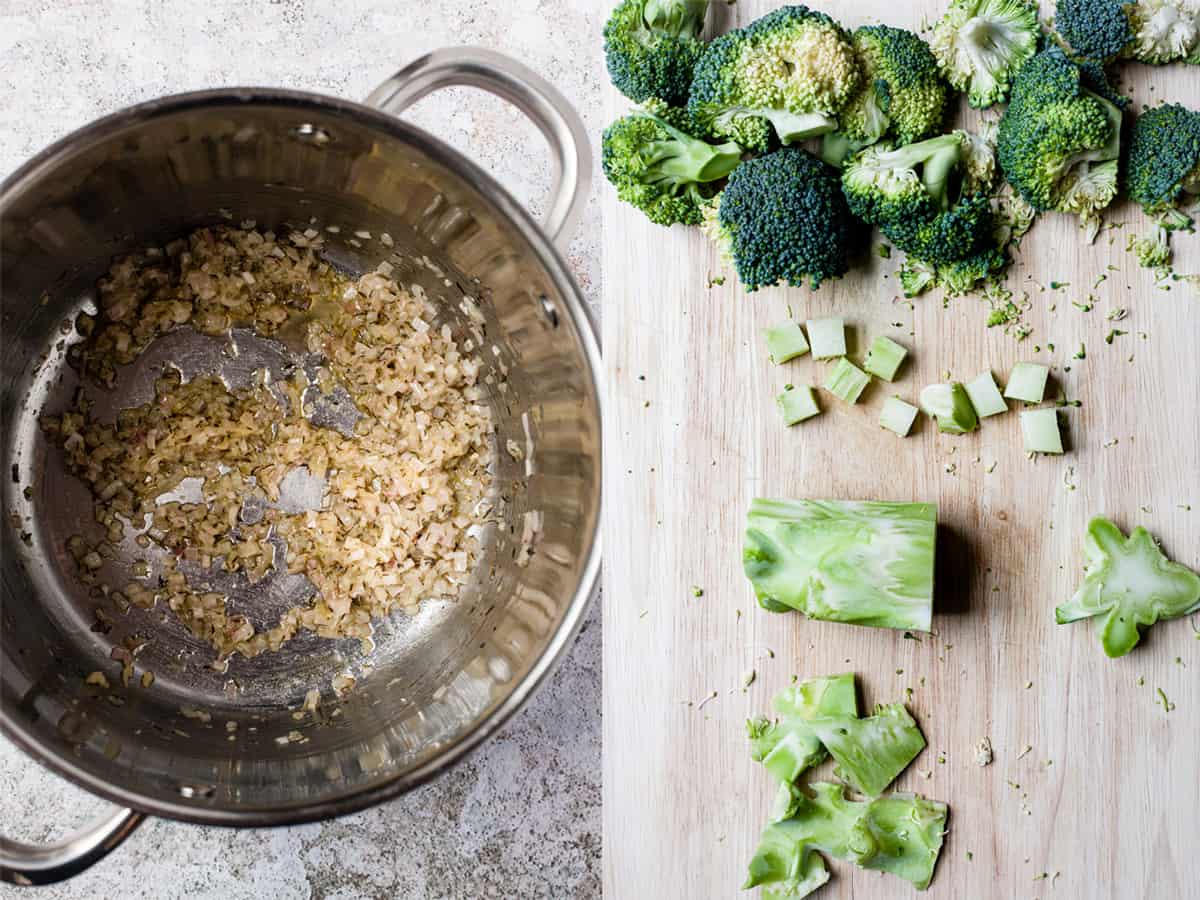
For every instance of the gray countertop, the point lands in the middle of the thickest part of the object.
(520, 818)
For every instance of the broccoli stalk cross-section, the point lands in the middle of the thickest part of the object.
(660, 169)
(651, 48)
(864, 563)
(1129, 584)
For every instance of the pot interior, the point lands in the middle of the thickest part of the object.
(235, 745)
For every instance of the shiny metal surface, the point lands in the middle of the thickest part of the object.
(436, 684)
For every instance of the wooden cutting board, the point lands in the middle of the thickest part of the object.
(1093, 783)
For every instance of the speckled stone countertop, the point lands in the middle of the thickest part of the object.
(520, 818)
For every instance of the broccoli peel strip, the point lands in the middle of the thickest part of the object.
(858, 562)
(788, 746)
(901, 834)
(1131, 584)
(870, 753)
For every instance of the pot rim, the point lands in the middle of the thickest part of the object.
(507, 208)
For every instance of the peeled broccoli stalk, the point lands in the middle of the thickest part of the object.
(828, 338)
(981, 44)
(797, 404)
(884, 358)
(787, 745)
(897, 416)
(951, 407)
(863, 563)
(901, 834)
(651, 48)
(785, 76)
(1027, 382)
(985, 396)
(785, 342)
(847, 381)
(871, 752)
(1130, 584)
(1040, 431)
(662, 170)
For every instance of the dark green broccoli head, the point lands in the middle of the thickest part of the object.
(1163, 170)
(929, 198)
(1058, 140)
(1096, 29)
(785, 76)
(981, 44)
(662, 170)
(901, 94)
(782, 218)
(651, 47)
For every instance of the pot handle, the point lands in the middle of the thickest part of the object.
(524, 89)
(29, 864)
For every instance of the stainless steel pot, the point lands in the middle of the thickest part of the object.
(437, 684)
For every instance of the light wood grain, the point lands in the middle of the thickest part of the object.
(1109, 794)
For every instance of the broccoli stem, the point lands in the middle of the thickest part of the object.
(675, 18)
(689, 159)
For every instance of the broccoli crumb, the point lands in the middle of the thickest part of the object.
(983, 752)
(1059, 285)
(1114, 333)
(697, 591)
(1167, 705)
(748, 678)
(884, 251)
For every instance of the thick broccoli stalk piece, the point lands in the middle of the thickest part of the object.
(1131, 584)
(782, 218)
(1059, 141)
(901, 94)
(864, 563)
(651, 47)
(981, 44)
(929, 198)
(787, 745)
(901, 834)
(660, 169)
(871, 752)
(785, 76)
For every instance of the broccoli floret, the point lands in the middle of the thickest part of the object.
(785, 75)
(981, 44)
(1163, 169)
(917, 276)
(1153, 250)
(782, 218)
(901, 95)
(663, 171)
(1151, 31)
(1097, 29)
(929, 197)
(1059, 140)
(651, 47)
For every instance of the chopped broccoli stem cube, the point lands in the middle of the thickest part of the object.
(1040, 430)
(985, 396)
(828, 338)
(859, 562)
(1129, 584)
(884, 358)
(787, 745)
(898, 416)
(846, 380)
(798, 404)
(871, 752)
(786, 341)
(950, 407)
(901, 834)
(1027, 382)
